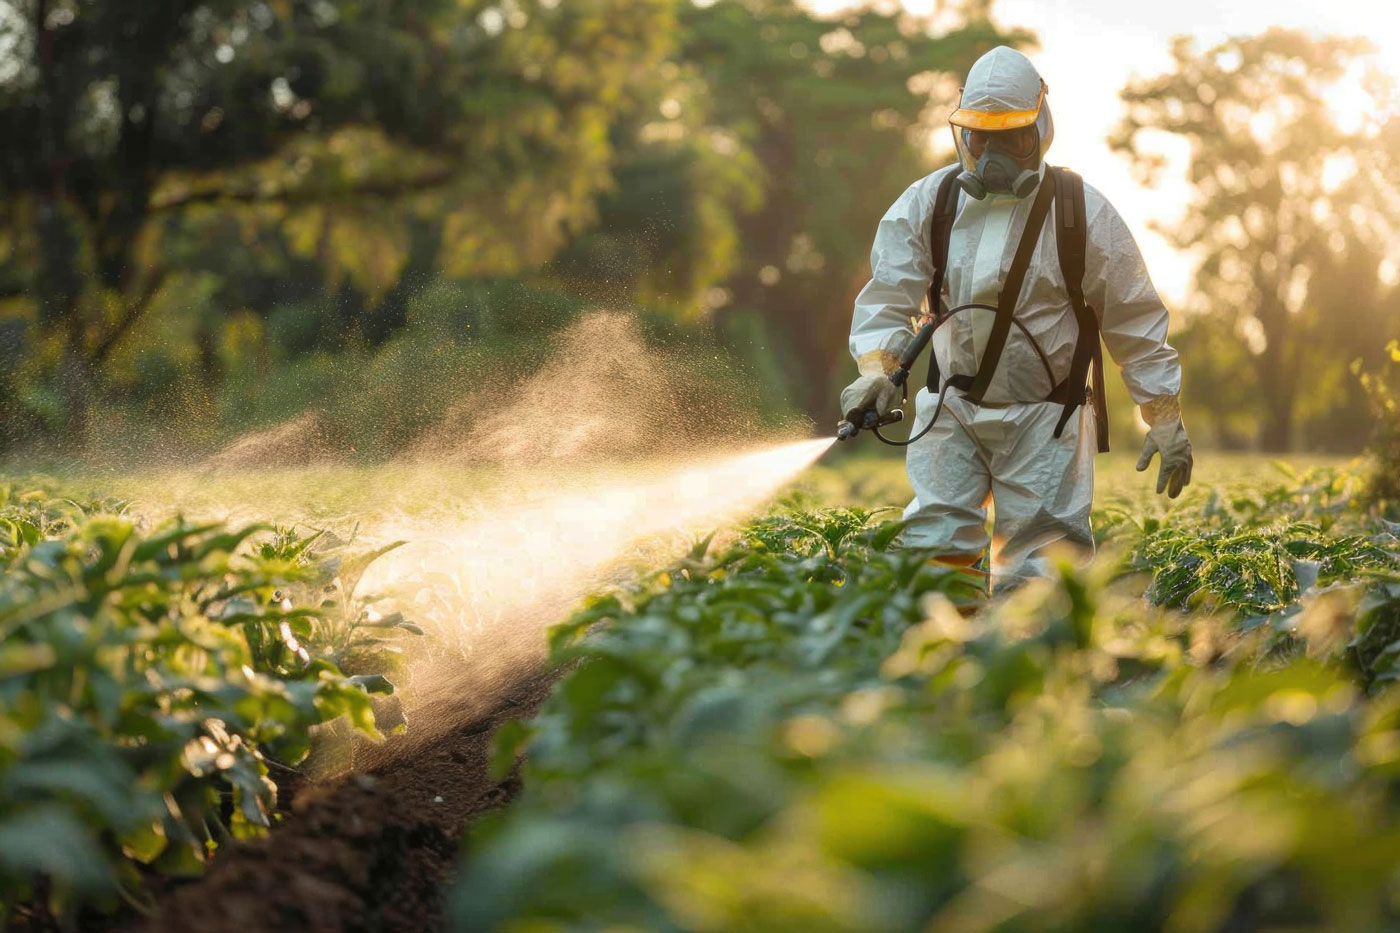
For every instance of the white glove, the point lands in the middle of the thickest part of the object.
(874, 386)
(1166, 435)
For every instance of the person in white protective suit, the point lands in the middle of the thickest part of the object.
(1006, 448)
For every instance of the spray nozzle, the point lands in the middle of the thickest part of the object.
(865, 419)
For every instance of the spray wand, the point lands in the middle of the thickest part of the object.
(868, 419)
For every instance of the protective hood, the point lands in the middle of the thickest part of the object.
(1003, 92)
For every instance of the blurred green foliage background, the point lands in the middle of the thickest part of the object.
(228, 212)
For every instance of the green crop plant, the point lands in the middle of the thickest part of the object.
(147, 680)
(807, 731)
(345, 629)
(1254, 553)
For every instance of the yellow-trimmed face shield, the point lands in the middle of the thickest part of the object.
(1001, 120)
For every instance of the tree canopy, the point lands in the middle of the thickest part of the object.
(1294, 213)
(345, 127)
(289, 174)
(223, 198)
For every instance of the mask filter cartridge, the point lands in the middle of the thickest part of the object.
(998, 173)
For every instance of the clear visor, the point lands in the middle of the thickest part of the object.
(1020, 144)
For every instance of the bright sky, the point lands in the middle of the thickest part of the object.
(1090, 48)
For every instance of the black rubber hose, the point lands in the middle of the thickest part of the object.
(928, 427)
(900, 376)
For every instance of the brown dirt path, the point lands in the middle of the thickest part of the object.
(366, 852)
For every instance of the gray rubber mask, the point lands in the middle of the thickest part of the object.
(998, 173)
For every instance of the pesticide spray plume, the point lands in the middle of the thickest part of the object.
(488, 585)
(533, 492)
(602, 395)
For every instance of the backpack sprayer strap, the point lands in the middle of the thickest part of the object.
(1011, 291)
(1066, 189)
(1072, 240)
(945, 211)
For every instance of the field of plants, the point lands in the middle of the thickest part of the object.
(792, 726)
(412, 515)
(157, 684)
(800, 730)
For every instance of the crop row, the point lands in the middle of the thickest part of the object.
(150, 680)
(807, 730)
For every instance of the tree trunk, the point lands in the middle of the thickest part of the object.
(1277, 378)
(1276, 433)
(76, 381)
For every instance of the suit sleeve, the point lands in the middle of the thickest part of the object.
(900, 274)
(1132, 316)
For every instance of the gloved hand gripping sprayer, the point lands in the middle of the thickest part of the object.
(868, 419)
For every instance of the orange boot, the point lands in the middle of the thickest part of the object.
(975, 581)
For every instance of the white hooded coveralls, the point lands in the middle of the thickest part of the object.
(1004, 450)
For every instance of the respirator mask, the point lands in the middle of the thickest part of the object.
(998, 161)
